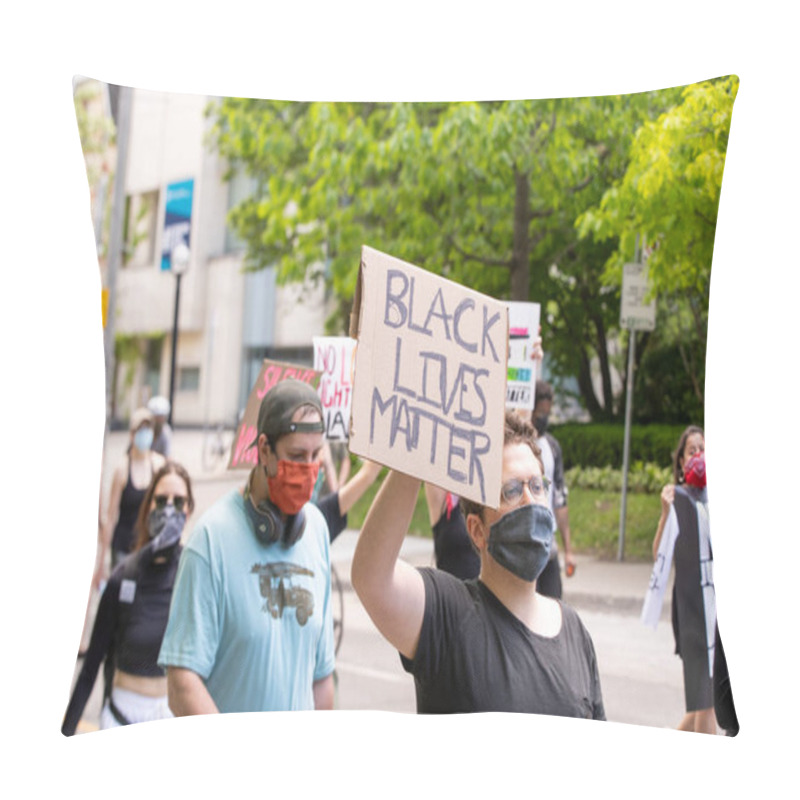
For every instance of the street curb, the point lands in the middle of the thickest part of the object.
(629, 606)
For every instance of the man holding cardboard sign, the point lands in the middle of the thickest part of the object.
(492, 643)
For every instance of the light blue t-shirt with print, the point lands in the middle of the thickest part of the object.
(253, 620)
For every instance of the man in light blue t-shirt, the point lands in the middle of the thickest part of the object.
(250, 625)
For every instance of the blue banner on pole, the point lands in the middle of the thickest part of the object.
(177, 219)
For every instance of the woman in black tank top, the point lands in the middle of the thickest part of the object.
(123, 537)
(131, 479)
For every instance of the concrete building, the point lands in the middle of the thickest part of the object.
(229, 321)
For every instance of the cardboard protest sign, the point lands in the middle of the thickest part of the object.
(243, 454)
(523, 329)
(430, 377)
(333, 357)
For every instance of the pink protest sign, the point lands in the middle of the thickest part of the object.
(243, 454)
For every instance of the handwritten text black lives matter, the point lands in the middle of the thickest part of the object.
(436, 406)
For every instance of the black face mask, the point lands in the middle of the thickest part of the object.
(540, 423)
(520, 540)
(165, 526)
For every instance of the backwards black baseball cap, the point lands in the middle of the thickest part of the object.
(278, 407)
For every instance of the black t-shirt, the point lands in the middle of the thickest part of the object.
(329, 506)
(475, 655)
(452, 546)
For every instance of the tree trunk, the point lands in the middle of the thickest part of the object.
(605, 370)
(520, 269)
(587, 389)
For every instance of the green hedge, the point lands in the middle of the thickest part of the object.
(646, 478)
(600, 445)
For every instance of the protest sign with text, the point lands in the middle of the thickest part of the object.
(333, 357)
(243, 454)
(430, 377)
(523, 330)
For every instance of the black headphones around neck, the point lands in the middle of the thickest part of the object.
(268, 523)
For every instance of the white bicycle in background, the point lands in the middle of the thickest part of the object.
(217, 444)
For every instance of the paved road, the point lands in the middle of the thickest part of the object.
(641, 677)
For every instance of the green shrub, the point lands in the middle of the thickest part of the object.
(646, 478)
(601, 445)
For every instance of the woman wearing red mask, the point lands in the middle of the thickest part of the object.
(682, 536)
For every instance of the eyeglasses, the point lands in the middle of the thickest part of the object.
(512, 491)
(178, 500)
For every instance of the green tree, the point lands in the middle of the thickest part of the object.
(669, 196)
(484, 193)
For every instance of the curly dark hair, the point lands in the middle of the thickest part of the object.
(516, 431)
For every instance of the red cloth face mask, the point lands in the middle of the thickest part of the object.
(293, 486)
(695, 470)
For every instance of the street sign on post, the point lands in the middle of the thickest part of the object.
(636, 315)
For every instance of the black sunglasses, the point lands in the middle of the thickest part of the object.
(178, 500)
(512, 491)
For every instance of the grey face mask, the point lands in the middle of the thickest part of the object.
(520, 540)
(165, 526)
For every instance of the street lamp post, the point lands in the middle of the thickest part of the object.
(179, 263)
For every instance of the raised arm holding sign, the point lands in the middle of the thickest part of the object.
(458, 638)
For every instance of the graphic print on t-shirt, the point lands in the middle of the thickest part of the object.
(279, 592)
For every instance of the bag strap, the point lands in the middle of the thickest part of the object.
(116, 713)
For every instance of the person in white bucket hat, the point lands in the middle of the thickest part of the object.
(162, 432)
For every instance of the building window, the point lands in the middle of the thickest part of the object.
(141, 213)
(188, 379)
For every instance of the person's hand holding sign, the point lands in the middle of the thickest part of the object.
(537, 354)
